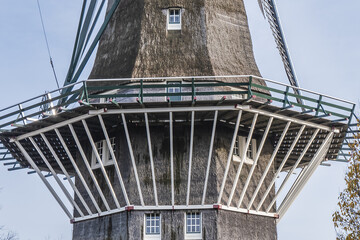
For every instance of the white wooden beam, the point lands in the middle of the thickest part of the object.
(190, 156)
(231, 150)
(151, 158)
(280, 167)
(54, 174)
(45, 181)
(52, 127)
(86, 162)
(289, 119)
(165, 110)
(132, 158)
(116, 164)
(293, 169)
(78, 172)
(209, 156)
(262, 143)
(95, 151)
(268, 166)
(315, 162)
(243, 157)
(63, 169)
(172, 158)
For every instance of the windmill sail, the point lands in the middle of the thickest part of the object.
(268, 8)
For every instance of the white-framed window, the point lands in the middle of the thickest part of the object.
(193, 226)
(174, 19)
(240, 147)
(104, 153)
(174, 90)
(152, 229)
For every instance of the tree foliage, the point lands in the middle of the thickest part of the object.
(347, 218)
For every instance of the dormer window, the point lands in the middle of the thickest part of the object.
(240, 147)
(174, 19)
(104, 154)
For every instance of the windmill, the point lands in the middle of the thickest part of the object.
(146, 149)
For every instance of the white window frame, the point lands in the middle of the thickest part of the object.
(190, 235)
(239, 148)
(104, 152)
(173, 90)
(173, 26)
(152, 236)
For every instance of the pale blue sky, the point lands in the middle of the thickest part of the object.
(323, 39)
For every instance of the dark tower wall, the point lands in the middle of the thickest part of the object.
(217, 224)
(214, 40)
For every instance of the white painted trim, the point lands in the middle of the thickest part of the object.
(152, 236)
(132, 158)
(78, 171)
(268, 166)
(193, 236)
(93, 113)
(190, 156)
(253, 212)
(290, 119)
(293, 169)
(210, 156)
(177, 208)
(65, 172)
(166, 110)
(47, 184)
(85, 160)
(229, 156)
(173, 26)
(151, 158)
(115, 162)
(102, 167)
(172, 158)
(58, 181)
(280, 167)
(262, 143)
(315, 162)
(243, 157)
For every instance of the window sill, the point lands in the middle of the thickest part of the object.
(248, 161)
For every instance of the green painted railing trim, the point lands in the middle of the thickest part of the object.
(194, 89)
(40, 104)
(298, 105)
(164, 85)
(35, 114)
(166, 94)
(303, 97)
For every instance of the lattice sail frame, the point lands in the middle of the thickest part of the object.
(84, 212)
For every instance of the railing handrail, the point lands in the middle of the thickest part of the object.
(223, 76)
(176, 78)
(42, 95)
(334, 109)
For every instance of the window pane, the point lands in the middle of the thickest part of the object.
(193, 222)
(152, 224)
(174, 16)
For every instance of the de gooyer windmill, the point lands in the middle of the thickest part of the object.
(175, 135)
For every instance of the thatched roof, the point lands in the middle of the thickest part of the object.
(214, 40)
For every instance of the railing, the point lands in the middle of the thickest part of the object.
(194, 89)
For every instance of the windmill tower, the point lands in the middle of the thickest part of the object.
(193, 155)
